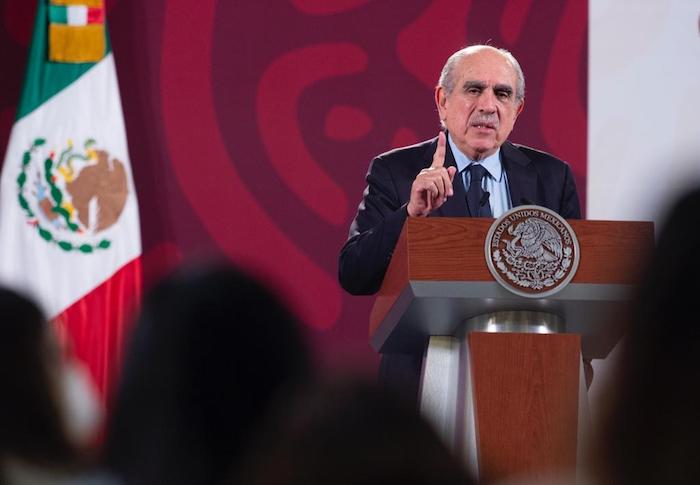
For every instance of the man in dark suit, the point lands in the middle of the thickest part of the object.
(479, 96)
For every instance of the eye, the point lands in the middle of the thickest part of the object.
(504, 95)
(473, 90)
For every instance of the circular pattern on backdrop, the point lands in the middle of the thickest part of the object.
(258, 150)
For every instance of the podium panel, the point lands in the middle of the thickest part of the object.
(525, 401)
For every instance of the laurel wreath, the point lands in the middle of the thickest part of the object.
(536, 283)
(57, 196)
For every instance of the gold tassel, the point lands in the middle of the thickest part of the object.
(87, 3)
(76, 44)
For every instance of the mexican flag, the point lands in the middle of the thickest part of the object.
(69, 226)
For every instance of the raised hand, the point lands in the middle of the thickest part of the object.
(433, 185)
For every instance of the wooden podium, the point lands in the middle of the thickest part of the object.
(502, 378)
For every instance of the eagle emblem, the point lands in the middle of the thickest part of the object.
(532, 251)
(71, 196)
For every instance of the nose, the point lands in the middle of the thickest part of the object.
(487, 101)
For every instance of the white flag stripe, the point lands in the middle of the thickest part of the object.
(88, 108)
(77, 15)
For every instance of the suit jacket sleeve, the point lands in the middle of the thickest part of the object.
(569, 207)
(373, 233)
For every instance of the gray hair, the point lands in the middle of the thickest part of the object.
(447, 80)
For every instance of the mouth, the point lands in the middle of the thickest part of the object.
(484, 123)
(484, 126)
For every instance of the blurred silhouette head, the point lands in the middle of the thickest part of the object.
(211, 350)
(32, 426)
(654, 424)
(349, 432)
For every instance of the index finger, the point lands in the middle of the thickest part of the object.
(439, 157)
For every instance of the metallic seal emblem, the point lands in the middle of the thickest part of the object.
(532, 251)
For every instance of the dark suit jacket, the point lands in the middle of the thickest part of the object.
(534, 177)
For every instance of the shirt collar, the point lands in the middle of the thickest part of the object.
(492, 163)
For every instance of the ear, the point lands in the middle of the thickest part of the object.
(520, 108)
(441, 101)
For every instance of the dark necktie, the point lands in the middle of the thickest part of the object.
(476, 201)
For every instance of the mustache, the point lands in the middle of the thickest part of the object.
(488, 120)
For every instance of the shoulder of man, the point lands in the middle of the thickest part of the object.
(423, 149)
(529, 153)
(408, 159)
(525, 154)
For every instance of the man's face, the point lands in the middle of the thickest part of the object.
(481, 110)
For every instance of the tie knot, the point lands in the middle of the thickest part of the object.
(476, 172)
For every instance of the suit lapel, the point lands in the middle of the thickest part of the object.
(522, 177)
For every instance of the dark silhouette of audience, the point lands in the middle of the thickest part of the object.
(34, 439)
(653, 428)
(210, 353)
(350, 432)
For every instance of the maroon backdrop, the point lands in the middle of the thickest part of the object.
(251, 124)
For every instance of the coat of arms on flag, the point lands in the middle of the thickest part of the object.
(71, 196)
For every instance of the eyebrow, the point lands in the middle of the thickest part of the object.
(504, 88)
(474, 84)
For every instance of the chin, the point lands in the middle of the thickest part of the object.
(482, 152)
(484, 148)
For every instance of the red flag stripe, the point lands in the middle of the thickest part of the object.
(96, 326)
(96, 15)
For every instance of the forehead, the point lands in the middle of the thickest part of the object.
(487, 66)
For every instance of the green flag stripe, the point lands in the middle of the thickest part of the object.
(44, 79)
(58, 14)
